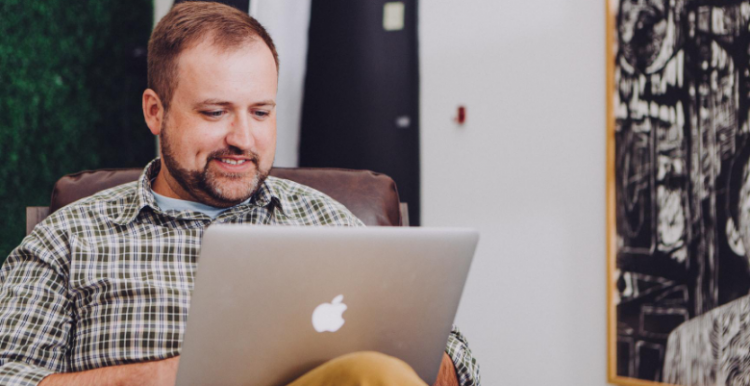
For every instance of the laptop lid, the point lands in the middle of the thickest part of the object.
(272, 303)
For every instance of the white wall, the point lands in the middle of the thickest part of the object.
(527, 170)
(161, 7)
(287, 22)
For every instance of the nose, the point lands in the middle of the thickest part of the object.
(240, 134)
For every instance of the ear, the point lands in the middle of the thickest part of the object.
(153, 111)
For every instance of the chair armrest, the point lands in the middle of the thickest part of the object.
(404, 207)
(35, 215)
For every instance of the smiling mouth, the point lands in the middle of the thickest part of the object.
(233, 161)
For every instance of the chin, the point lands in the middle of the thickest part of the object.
(232, 191)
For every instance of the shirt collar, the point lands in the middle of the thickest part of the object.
(144, 197)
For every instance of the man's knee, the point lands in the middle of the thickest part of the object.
(366, 368)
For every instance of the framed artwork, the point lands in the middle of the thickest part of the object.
(678, 192)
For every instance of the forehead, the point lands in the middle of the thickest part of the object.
(206, 70)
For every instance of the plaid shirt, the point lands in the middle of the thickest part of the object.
(107, 281)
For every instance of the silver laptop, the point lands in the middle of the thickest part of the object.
(272, 303)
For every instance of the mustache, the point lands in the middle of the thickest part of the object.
(251, 155)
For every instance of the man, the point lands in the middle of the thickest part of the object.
(98, 293)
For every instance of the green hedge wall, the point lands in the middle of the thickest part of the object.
(71, 76)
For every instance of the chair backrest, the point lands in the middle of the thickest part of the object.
(370, 196)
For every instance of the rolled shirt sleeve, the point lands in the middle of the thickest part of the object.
(35, 311)
(467, 368)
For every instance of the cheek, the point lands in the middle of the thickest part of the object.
(266, 147)
(194, 141)
(267, 139)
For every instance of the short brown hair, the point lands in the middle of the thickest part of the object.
(189, 23)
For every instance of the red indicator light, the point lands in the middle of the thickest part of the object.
(461, 115)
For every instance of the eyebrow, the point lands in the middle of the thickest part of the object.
(266, 103)
(218, 102)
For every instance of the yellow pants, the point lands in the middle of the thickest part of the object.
(362, 369)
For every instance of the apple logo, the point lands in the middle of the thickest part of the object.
(327, 316)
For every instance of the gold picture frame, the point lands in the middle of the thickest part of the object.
(678, 191)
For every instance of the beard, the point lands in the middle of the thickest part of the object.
(209, 186)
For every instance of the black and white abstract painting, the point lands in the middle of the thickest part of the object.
(680, 104)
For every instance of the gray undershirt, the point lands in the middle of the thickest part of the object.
(168, 203)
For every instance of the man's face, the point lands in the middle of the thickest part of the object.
(218, 138)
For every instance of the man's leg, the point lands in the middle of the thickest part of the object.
(361, 369)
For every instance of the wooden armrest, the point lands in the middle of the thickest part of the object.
(35, 215)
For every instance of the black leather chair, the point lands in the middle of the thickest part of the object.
(371, 196)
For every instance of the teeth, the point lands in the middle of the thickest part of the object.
(233, 162)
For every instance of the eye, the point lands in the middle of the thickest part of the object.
(213, 113)
(261, 113)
